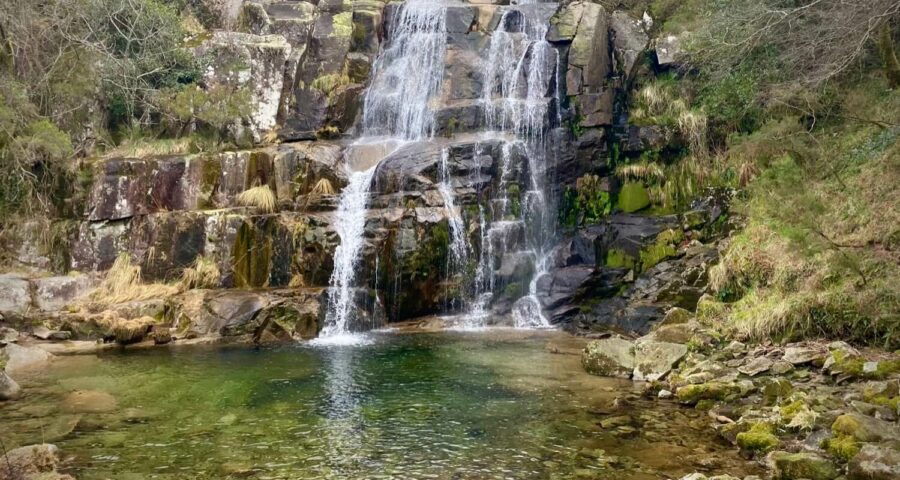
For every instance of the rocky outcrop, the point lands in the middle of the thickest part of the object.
(254, 63)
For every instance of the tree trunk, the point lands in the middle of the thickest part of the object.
(889, 56)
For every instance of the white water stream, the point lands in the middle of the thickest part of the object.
(395, 110)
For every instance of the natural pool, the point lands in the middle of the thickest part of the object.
(454, 405)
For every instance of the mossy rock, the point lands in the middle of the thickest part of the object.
(841, 447)
(759, 439)
(809, 466)
(865, 428)
(692, 394)
(617, 258)
(776, 389)
(633, 197)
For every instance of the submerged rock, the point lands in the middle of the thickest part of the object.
(20, 357)
(609, 357)
(9, 389)
(89, 401)
(33, 461)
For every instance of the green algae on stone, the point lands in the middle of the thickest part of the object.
(759, 439)
(842, 447)
(664, 247)
(633, 197)
(617, 258)
(251, 255)
(808, 466)
(691, 394)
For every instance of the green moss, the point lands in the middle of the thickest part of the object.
(342, 25)
(514, 290)
(515, 200)
(794, 466)
(617, 258)
(663, 248)
(759, 439)
(788, 411)
(251, 256)
(691, 394)
(633, 197)
(842, 447)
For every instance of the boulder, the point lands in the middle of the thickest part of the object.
(756, 366)
(668, 50)
(800, 355)
(691, 394)
(609, 357)
(654, 360)
(865, 428)
(629, 41)
(55, 293)
(676, 316)
(33, 461)
(15, 295)
(9, 389)
(808, 466)
(875, 462)
(20, 357)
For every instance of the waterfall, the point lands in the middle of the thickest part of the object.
(407, 73)
(517, 97)
(459, 246)
(395, 110)
(350, 223)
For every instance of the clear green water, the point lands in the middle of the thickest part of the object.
(416, 406)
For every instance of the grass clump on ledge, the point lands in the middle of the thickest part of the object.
(260, 197)
(123, 284)
(204, 273)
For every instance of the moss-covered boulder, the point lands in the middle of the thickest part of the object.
(865, 428)
(758, 439)
(809, 466)
(609, 357)
(716, 391)
(633, 197)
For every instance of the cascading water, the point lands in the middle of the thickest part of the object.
(408, 73)
(350, 222)
(459, 245)
(395, 110)
(516, 96)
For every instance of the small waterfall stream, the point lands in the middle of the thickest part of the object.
(459, 244)
(395, 110)
(517, 97)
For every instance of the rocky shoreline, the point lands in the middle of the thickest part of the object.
(811, 410)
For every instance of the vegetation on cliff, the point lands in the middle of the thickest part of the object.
(78, 77)
(801, 114)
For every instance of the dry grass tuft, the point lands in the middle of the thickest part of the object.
(123, 284)
(323, 187)
(260, 197)
(649, 171)
(131, 331)
(693, 126)
(204, 273)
